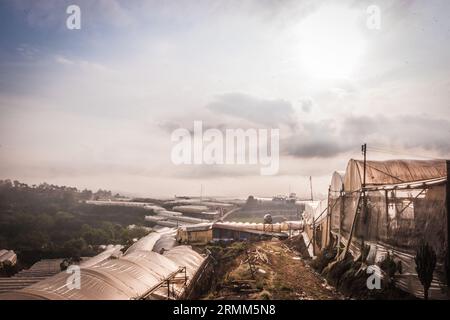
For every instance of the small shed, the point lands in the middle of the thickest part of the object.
(7, 258)
(195, 234)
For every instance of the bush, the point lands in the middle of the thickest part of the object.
(324, 258)
(425, 265)
(389, 266)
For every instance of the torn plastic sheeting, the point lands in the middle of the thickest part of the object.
(128, 277)
(111, 250)
(315, 210)
(125, 278)
(166, 242)
(145, 244)
(408, 279)
(308, 244)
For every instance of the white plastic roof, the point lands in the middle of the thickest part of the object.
(111, 250)
(127, 277)
(315, 210)
(392, 172)
(337, 183)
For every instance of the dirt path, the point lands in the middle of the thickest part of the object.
(270, 270)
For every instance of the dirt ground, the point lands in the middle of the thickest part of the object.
(271, 270)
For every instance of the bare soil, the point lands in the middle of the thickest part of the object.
(270, 270)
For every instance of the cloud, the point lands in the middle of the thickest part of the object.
(63, 60)
(333, 137)
(267, 112)
(99, 105)
(306, 104)
(52, 13)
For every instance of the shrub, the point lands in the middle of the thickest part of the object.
(425, 265)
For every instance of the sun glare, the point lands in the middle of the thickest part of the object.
(330, 43)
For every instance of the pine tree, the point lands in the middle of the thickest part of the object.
(425, 265)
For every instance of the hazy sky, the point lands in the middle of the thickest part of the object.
(96, 107)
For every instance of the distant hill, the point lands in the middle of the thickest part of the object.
(50, 221)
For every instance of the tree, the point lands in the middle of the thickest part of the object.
(251, 201)
(425, 265)
(74, 248)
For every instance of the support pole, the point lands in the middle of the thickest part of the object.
(314, 236)
(168, 289)
(341, 212)
(364, 151)
(352, 230)
(328, 226)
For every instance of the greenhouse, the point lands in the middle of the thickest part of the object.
(402, 203)
(140, 273)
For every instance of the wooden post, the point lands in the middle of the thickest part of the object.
(314, 236)
(341, 212)
(328, 226)
(168, 289)
(364, 209)
(386, 193)
(352, 230)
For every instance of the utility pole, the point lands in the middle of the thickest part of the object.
(314, 219)
(364, 152)
(363, 209)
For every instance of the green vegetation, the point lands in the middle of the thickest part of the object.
(350, 277)
(390, 268)
(48, 221)
(425, 265)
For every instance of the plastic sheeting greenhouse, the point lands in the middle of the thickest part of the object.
(407, 202)
(130, 276)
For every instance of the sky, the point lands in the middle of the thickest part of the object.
(96, 107)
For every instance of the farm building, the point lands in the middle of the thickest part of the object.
(7, 258)
(233, 232)
(206, 232)
(402, 203)
(195, 234)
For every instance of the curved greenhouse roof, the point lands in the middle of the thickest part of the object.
(337, 183)
(128, 277)
(392, 172)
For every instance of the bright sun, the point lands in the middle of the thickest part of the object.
(330, 43)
